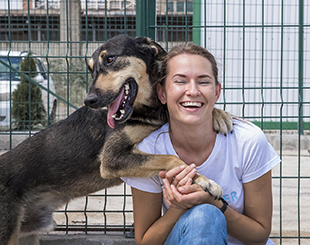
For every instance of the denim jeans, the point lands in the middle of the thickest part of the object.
(202, 224)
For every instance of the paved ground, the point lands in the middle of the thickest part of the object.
(291, 202)
(294, 192)
(81, 239)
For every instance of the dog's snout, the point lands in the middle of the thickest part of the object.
(91, 100)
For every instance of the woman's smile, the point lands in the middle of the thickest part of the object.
(191, 104)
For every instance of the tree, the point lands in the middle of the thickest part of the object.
(28, 109)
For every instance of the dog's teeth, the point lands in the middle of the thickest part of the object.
(127, 86)
(125, 97)
(114, 115)
(122, 111)
(126, 92)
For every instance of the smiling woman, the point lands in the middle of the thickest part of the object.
(193, 90)
(240, 162)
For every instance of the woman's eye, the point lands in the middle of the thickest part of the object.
(179, 81)
(110, 59)
(204, 82)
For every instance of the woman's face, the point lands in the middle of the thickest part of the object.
(190, 89)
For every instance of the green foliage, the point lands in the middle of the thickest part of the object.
(24, 112)
(70, 76)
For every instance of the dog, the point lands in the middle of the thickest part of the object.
(95, 146)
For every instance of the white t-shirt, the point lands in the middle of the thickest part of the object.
(239, 157)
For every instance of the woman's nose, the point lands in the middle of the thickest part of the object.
(193, 89)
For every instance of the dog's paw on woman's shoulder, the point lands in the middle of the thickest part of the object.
(222, 121)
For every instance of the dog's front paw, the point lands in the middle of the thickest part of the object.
(222, 121)
(209, 185)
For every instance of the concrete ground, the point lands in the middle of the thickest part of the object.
(291, 198)
(82, 239)
(291, 216)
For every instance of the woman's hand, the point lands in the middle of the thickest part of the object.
(179, 191)
(180, 176)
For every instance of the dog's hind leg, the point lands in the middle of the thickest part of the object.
(10, 219)
(38, 218)
(32, 239)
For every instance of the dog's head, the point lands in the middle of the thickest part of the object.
(124, 71)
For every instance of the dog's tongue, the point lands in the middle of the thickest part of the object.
(113, 109)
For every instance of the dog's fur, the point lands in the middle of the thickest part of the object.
(82, 154)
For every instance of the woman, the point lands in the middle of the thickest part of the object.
(240, 163)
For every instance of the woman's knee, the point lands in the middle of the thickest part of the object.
(202, 224)
(205, 213)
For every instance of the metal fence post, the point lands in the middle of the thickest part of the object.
(145, 18)
(196, 21)
(300, 67)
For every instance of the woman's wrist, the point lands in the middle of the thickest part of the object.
(176, 211)
(225, 205)
(221, 204)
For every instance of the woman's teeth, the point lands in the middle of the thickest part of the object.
(191, 104)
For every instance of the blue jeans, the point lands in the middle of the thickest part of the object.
(202, 224)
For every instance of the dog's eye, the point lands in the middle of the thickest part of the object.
(110, 59)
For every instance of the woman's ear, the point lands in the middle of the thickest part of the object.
(218, 89)
(161, 94)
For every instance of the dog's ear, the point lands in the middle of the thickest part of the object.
(146, 45)
(154, 62)
(159, 52)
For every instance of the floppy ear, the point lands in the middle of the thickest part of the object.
(153, 58)
(146, 45)
(159, 51)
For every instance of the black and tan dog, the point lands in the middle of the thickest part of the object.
(94, 146)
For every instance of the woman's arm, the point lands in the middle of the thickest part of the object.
(254, 226)
(150, 226)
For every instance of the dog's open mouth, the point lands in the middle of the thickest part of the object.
(122, 107)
